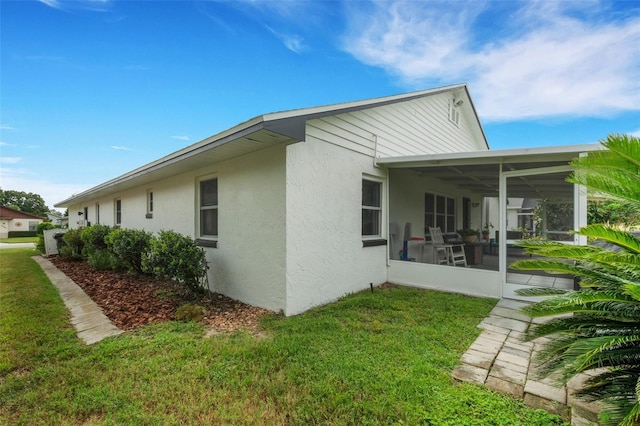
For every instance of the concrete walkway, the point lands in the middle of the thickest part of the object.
(91, 324)
(16, 245)
(500, 360)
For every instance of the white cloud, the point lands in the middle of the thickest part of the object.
(547, 59)
(6, 144)
(180, 138)
(635, 133)
(67, 5)
(121, 148)
(10, 160)
(293, 42)
(3, 127)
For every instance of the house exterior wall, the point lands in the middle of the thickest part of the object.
(415, 127)
(290, 216)
(325, 255)
(16, 221)
(249, 262)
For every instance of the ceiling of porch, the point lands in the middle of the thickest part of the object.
(479, 172)
(485, 180)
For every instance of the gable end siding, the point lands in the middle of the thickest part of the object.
(416, 127)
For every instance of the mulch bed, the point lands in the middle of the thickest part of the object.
(131, 301)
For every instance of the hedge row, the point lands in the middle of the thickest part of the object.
(166, 255)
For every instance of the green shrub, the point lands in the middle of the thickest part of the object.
(44, 226)
(72, 244)
(177, 257)
(190, 313)
(128, 247)
(19, 234)
(94, 236)
(102, 260)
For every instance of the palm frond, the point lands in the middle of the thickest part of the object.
(580, 327)
(632, 290)
(596, 352)
(614, 171)
(625, 146)
(541, 291)
(612, 235)
(618, 388)
(589, 276)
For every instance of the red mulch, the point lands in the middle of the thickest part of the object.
(132, 301)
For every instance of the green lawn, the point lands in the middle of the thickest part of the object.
(372, 358)
(19, 240)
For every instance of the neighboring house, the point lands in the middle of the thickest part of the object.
(12, 221)
(58, 219)
(298, 208)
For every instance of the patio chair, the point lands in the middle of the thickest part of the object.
(445, 253)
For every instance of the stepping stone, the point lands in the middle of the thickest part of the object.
(470, 374)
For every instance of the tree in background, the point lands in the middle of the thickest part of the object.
(603, 333)
(615, 212)
(27, 202)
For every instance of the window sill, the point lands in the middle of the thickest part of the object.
(206, 243)
(374, 243)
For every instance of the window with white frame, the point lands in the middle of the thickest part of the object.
(97, 213)
(118, 212)
(209, 208)
(439, 211)
(371, 208)
(149, 204)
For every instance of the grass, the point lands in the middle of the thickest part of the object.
(19, 240)
(371, 358)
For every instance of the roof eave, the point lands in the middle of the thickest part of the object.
(484, 157)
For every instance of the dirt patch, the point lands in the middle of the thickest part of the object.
(131, 301)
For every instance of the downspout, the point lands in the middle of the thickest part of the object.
(375, 150)
(374, 137)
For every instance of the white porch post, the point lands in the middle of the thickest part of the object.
(579, 211)
(502, 227)
(544, 220)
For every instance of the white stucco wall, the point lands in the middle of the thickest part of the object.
(249, 262)
(325, 255)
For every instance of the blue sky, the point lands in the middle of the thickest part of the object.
(92, 89)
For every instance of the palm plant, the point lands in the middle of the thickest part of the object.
(603, 334)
